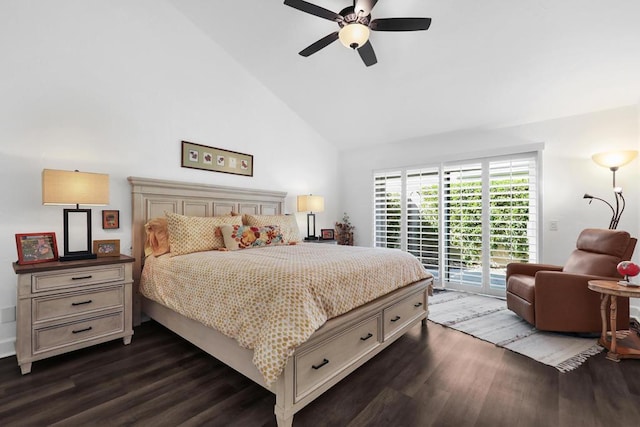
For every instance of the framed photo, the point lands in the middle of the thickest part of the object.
(110, 219)
(36, 247)
(327, 234)
(196, 156)
(106, 247)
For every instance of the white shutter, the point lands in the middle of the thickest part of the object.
(513, 214)
(463, 224)
(388, 209)
(423, 193)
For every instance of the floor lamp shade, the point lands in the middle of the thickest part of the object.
(75, 188)
(311, 204)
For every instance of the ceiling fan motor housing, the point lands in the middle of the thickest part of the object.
(351, 17)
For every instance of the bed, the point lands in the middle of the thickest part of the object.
(329, 354)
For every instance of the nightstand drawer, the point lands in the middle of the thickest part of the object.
(81, 276)
(62, 306)
(46, 339)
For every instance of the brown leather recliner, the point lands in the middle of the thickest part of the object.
(556, 298)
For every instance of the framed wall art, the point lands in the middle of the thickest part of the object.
(110, 219)
(106, 248)
(36, 247)
(196, 156)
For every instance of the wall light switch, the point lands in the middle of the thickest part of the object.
(553, 225)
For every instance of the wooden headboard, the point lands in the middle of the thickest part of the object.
(151, 198)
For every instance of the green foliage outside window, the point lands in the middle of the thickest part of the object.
(509, 219)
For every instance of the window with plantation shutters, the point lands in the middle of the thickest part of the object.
(464, 221)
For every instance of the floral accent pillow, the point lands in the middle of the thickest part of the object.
(189, 234)
(287, 223)
(247, 236)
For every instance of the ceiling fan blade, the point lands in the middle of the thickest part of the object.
(314, 10)
(367, 54)
(400, 24)
(364, 5)
(323, 42)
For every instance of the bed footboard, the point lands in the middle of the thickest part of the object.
(334, 351)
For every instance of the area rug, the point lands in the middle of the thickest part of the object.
(488, 319)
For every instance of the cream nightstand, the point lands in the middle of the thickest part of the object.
(65, 306)
(328, 242)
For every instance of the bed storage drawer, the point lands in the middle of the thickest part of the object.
(321, 362)
(71, 333)
(73, 304)
(398, 315)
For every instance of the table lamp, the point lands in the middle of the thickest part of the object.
(75, 188)
(311, 204)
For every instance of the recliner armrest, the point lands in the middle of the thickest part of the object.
(529, 269)
(561, 284)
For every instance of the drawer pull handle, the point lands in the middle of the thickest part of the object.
(395, 319)
(82, 302)
(81, 330)
(324, 362)
(81, 278)
(369, 335)
(418, 304)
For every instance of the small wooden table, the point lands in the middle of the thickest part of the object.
(621, 344)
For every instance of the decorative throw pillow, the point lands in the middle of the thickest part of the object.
(157, 237)
(287, 223)
(247, 236)
(189, 234)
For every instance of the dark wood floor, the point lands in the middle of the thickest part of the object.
(433, 376)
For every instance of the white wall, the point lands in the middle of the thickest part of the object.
(568, 171)
(113, 87)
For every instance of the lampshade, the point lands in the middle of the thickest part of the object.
(309, 203)
(74, 188)
(614, 159)
(354, 35)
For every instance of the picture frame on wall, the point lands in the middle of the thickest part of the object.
(36, 247)
(106, 248)
(110, 219)
(197, 156)
(327, 234)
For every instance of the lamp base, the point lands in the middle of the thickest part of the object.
(311, 238)
(77, 257)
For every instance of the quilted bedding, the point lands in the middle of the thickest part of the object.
(273, 299)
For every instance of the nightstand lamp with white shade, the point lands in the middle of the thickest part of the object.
(311, 204)
(75, 188)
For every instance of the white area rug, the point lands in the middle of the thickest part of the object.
(489, 319)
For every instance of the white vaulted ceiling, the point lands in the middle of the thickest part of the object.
(482, 64)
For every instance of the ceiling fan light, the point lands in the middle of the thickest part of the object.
(354, 35)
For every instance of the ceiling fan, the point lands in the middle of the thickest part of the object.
(355, 23)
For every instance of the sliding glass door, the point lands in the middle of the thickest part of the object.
(465, 222)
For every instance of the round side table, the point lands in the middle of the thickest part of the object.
(621, 344)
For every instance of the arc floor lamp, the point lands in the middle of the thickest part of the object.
(613, 160)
